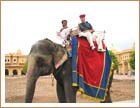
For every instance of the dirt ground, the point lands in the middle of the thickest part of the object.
(46, 93)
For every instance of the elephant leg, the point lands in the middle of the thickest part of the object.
(108, 98)
(60, 93)
(70, 91)
(66, 93)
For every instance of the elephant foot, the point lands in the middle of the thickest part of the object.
(106, 101)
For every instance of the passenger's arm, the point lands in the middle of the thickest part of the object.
(91, 31)
(59, 33)
(78, 29)
(61, 29)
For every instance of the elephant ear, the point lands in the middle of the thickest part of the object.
(60, 56)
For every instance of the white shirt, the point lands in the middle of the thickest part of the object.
(64, 33)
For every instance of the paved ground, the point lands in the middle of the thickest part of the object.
(127, 101)
(124, 77)
(121, 90)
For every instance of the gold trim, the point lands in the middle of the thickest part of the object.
(75, 84)
(89, 84)
(94, 86)
(74, 71)
(81, 90)
(110, 74)
(102, 74)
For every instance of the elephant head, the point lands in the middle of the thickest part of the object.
(44, 58)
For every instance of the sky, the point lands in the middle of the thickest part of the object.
(25, 22)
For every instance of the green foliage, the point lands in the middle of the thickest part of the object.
(25, 67)
(114, 60)
(132, 60)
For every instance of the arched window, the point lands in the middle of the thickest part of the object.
(15, 72)
(6, 72)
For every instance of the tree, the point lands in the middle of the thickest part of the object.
(132, 60)
(114, 60)
(25, 67)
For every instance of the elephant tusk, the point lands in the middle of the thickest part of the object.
(60, 62)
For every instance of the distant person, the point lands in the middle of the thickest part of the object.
(129, 73)
(85, 29)
(64, 32)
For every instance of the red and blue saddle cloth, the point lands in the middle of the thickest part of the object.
(90, 69)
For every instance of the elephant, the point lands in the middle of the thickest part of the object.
(42, 60)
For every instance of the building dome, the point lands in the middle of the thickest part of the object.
(133, 47)
(113, 48)
(19, 52)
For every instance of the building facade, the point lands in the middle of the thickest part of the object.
(123, 59)
(14, 63)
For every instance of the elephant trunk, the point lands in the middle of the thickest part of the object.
(31, 83)
(32, 76)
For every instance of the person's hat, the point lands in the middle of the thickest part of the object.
(82, 15)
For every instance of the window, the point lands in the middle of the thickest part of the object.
(6, 72)
(15, 72)
(14, 60)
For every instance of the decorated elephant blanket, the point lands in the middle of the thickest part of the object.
(90, 69)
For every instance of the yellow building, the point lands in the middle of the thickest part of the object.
(123, 59)
(14, 63)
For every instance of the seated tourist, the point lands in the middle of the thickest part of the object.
(85, 29)
(64, 33)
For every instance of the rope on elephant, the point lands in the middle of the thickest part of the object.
(52, 78)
